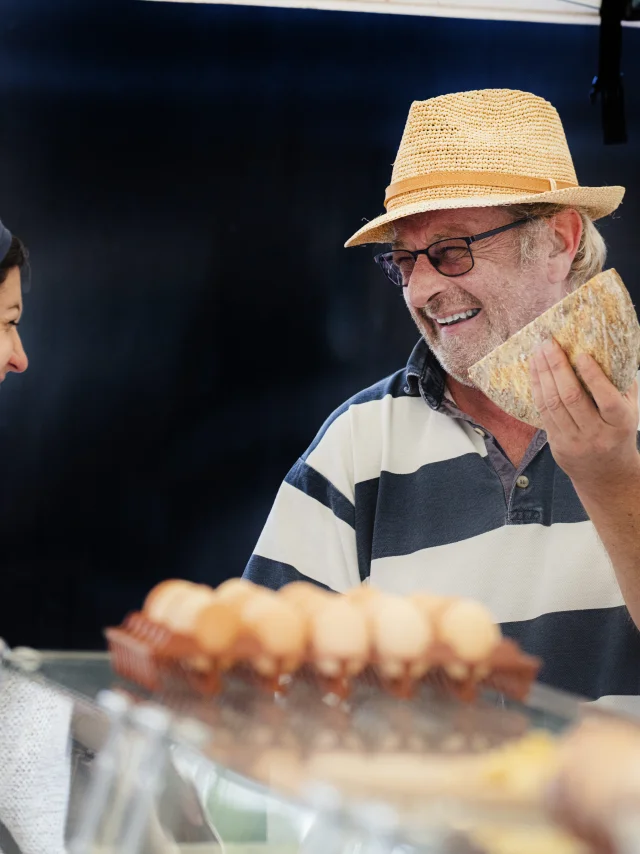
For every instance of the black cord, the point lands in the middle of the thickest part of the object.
(608, 82)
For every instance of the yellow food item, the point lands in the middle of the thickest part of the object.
(545, 839)
(522, 768)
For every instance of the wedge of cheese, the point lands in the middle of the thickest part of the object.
(598, 318)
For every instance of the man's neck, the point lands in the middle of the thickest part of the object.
(476, 404)
(513, 436)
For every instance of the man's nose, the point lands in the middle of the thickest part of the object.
(424, 283)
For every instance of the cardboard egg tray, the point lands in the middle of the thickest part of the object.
(160, 660)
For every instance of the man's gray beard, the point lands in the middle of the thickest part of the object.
(456, 358)
(457, 364)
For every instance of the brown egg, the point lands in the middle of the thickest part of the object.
(399, 629)
(280, 629)
(363, 595)
(400, 646)
(217, 626)
(182, 616)
(309, 597)
(339, 634)
(469, 629)
(237, 589)
(431, 606)
(163, 598)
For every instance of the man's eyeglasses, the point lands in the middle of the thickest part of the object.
(450, 257)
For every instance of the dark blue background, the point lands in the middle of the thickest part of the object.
(185, 177)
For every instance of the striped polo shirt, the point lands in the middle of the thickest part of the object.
(403, 490)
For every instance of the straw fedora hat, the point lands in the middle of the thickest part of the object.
(480, 149)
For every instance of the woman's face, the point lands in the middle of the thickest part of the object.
(12, 355)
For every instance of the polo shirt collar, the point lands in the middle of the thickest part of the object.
(425, 375)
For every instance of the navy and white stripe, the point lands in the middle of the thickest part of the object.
(402, 488)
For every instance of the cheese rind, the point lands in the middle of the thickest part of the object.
(597, 318)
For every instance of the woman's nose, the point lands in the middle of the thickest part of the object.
(19, 361)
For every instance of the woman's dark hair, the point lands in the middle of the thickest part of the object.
(16, 257)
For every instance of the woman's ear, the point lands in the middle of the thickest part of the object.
(566, 228)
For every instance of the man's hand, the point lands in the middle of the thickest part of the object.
(596, 790)
(593, 441)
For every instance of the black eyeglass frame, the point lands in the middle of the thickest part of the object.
(473, 238)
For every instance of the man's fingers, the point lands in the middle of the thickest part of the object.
(551, 404)
(632, 394)
(611, 404)
(569, 388)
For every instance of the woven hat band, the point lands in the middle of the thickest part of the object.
(517, 183)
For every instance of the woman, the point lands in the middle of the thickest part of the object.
(13, 257)
(19, 698)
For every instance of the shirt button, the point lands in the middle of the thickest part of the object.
(522, 481)
(480, 432)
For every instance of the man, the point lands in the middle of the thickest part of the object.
(421, 482)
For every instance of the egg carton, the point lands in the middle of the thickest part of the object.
(161, 660)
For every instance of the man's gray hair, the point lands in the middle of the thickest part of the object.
(592, 251)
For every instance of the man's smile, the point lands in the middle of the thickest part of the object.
(457, 317)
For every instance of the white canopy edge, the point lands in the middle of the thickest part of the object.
(535, 11)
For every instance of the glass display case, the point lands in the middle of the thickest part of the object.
(105, 767)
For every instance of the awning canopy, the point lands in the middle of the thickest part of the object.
(537, 11)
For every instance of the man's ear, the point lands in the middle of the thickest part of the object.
(566, 228)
